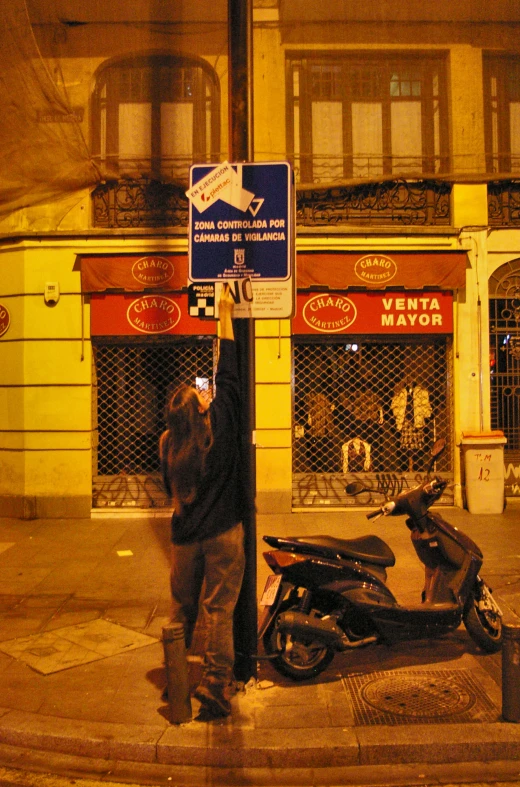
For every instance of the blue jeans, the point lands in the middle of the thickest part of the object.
(209, 571)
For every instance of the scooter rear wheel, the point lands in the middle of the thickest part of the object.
(299, 658)
(484, 626)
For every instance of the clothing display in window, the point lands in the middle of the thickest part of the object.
(362, 426)
(411, 403)
(364, 405)
(356, 456)
(411, 408)
(319, 414)
(367, 411)
(320, 428)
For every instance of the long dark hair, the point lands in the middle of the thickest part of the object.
(184, 446)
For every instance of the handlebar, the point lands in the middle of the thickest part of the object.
(385, 510)
(434, 486)
(414, 502)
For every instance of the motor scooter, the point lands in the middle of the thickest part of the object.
(330, 594)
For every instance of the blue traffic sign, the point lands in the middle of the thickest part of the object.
(240, 221)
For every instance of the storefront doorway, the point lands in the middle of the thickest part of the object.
(370, 410)
(132, 380)
(504, 356)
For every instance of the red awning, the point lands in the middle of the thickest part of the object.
(444, 270)
(411, 270)
(134, 272)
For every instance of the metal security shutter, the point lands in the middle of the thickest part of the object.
(351, 419)
(504, 356)
(132, 382)
(505, 371)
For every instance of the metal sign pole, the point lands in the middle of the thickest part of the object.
(240, 31)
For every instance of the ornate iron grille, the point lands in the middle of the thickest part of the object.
(150, 203)
(504, 348)
(371, 412)
(132, 382)
(139, 203)
(389, 203)
(504, 203)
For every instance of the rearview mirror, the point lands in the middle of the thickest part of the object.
(438, 447)
(355, 488)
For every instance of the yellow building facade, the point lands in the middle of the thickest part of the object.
(404, 140)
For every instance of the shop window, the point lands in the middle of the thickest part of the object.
(366, 116)
(369, 411)
(502, 112)
(155, 115)
(132, 382)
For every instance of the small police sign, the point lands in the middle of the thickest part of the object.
(201, 300)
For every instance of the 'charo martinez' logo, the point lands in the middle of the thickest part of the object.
(329, 313)
(5, 319)
(153, 314)
(152, 271)
(375, 269)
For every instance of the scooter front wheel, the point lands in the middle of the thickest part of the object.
(483, 624)
(299, 658)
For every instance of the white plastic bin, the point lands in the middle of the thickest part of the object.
(484, 470)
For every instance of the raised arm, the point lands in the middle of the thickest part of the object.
(226, 306)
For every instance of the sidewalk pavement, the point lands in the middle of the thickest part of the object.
(82, 606)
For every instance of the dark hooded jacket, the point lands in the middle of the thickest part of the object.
(219, 503)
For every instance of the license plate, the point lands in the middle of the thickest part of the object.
(271, 590)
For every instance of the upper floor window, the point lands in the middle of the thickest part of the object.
(155, 115)
(366, 116)
(502, 112)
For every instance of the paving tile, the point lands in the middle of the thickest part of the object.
(19, 697)
(292, 717)
(63, 617)
(22, 626)
(340, 715)
(66, 576)
(39, 602)
(138, 708)
(83, 704)
(29, 616)
(20, 580)
(135, 616)
(292, 695)
(71, 646)
(8, 601)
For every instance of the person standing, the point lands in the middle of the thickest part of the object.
(200, 462)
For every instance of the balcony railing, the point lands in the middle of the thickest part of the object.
(139, 203)
(504, 203)
(389, 203)
(133, 203)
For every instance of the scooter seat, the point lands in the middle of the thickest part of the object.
(367, 549)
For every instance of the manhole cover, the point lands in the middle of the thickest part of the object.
(412, 695)
(420, 697)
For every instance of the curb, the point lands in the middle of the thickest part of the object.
(218, 744)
